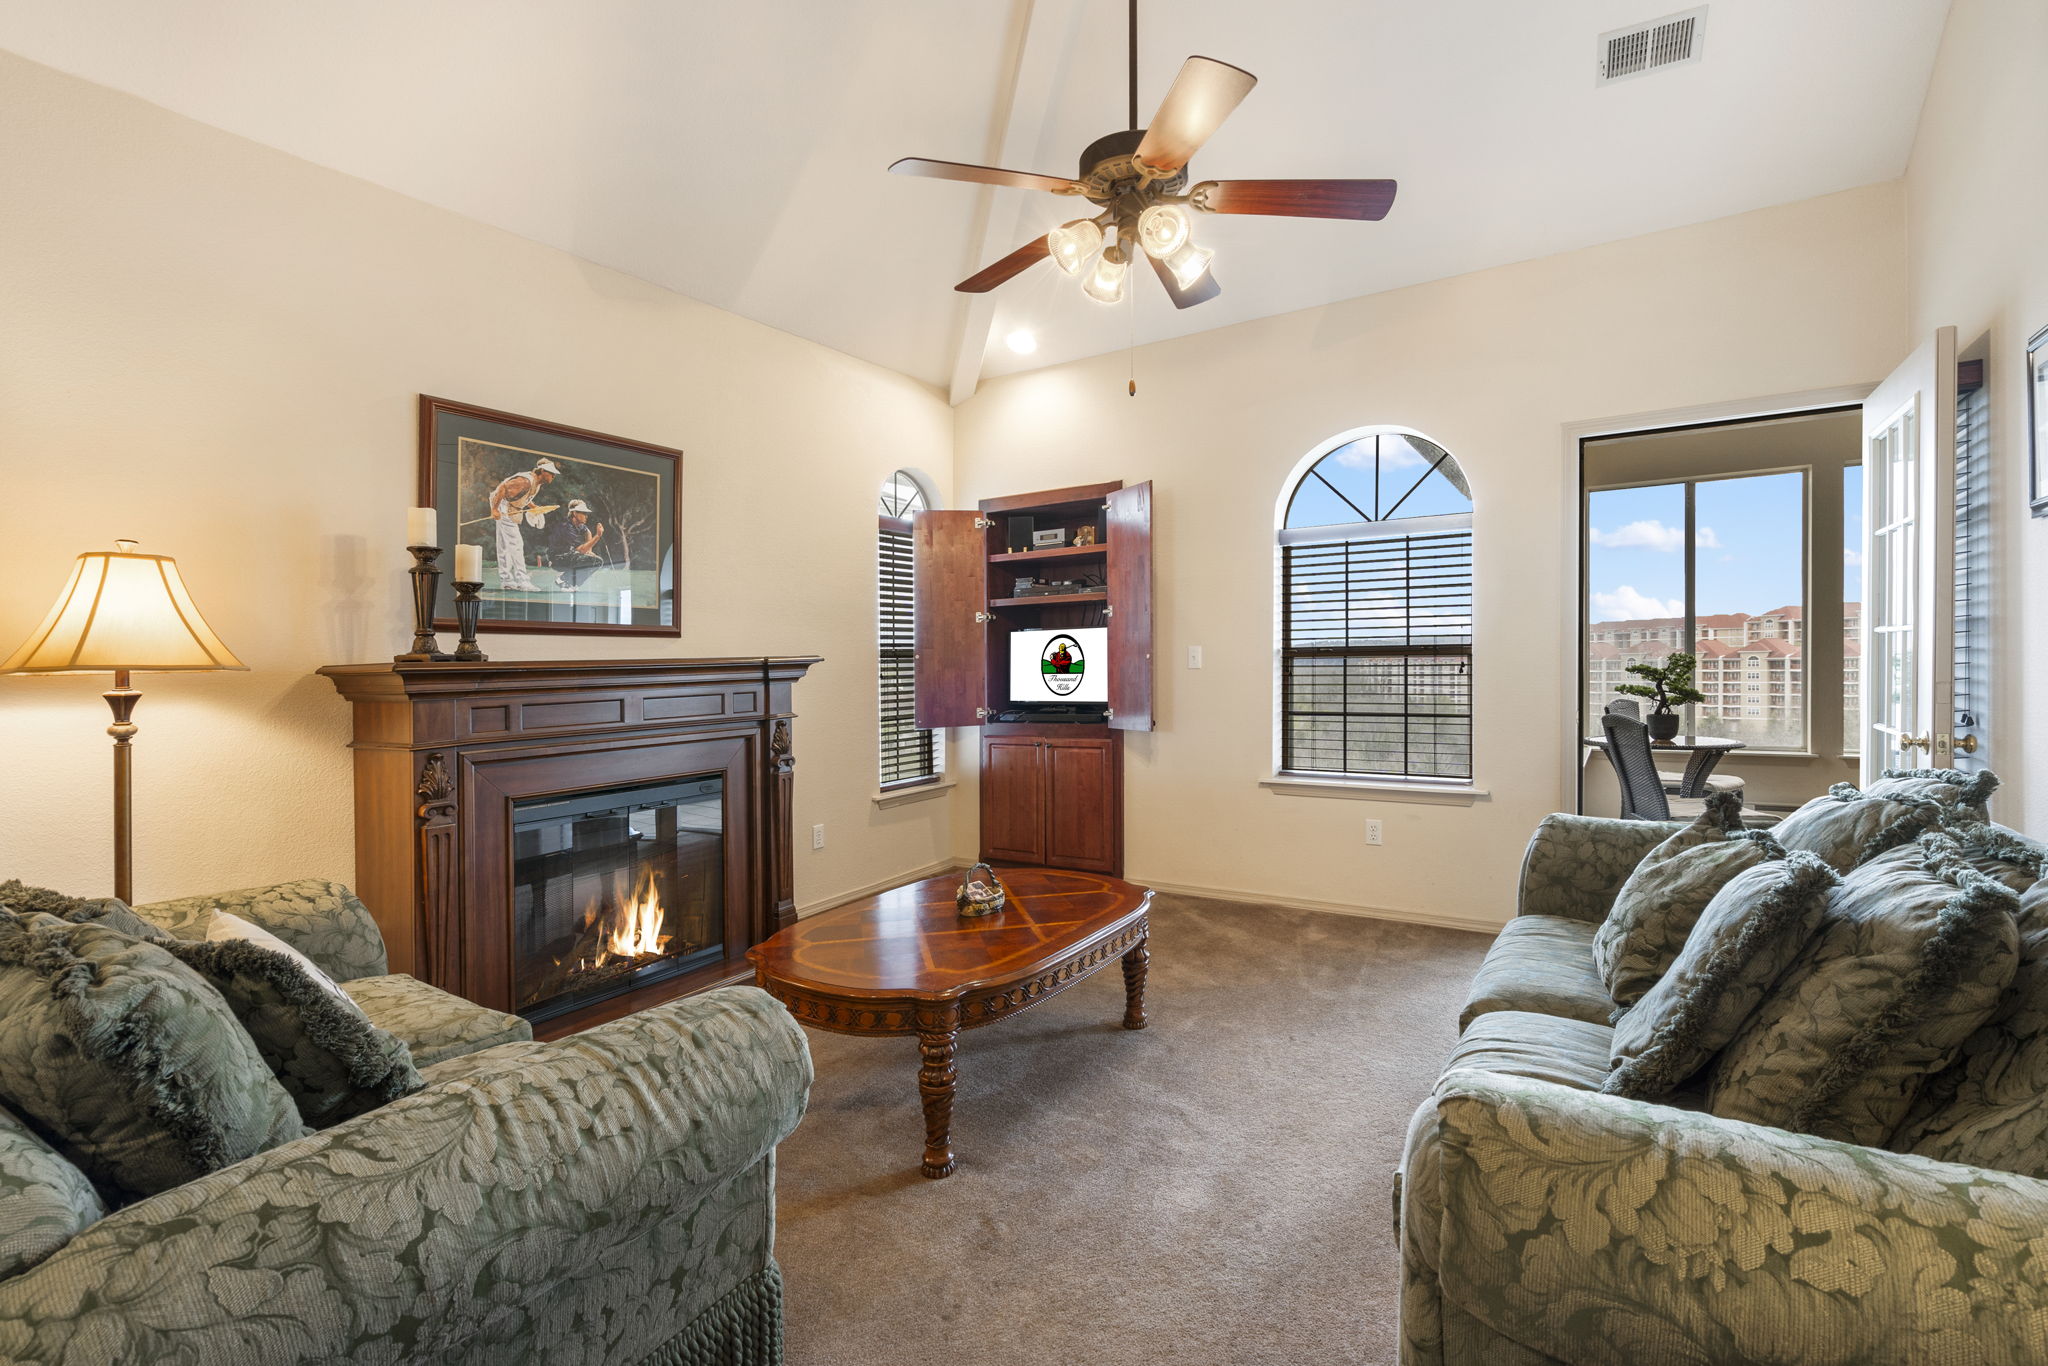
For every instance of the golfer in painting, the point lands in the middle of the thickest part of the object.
(575, 555)
(511, 502)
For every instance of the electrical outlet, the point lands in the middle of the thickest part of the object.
(1194, 656)
(818, 837)
(1372, 832)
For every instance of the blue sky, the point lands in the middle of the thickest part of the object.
(1749, 547)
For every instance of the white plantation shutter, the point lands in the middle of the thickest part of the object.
(909, 755)
(1376, 656)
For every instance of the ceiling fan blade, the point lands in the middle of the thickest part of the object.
(1364, 199)
(1202, 96)
(1200, 292)
(1016, 263)
(982, 175)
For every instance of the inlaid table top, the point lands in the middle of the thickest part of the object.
(907, 962)
(912, 940)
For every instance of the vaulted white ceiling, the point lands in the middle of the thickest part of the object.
(736, 152)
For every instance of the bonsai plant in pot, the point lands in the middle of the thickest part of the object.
(1666, 686)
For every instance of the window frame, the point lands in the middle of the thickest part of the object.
(900, 656)
(1329, 782)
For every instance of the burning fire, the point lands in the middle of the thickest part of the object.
(636, 927)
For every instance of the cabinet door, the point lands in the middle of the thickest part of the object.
(948, 563)
(1012, 801)
(1081, 806)
(1130, 593)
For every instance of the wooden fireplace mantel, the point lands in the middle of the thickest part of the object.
(442, 751)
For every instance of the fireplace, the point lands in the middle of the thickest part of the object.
(613, 891)
(574, 840)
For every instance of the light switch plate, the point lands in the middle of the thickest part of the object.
(817, 837)
(1194, 656)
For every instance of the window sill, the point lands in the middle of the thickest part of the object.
(904, 796)
(1376, 790)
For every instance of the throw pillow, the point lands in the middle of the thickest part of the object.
(1745, 939)
(1850, 825)
(1989, 1107)
(1656, 907)
(44, 1201)
(1912, 958)
(318, 1043)
(22, 899)
(126, 1062)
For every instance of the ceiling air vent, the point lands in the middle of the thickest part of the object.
(1642, 48)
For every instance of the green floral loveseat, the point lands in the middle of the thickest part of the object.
(605, 1199)
(1545, 1222)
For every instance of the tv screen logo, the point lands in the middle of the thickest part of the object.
(1061, 665)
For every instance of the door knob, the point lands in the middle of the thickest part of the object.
(1966, 744)
(1916, 741)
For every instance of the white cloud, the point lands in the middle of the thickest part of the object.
(1626, 604)
(1852, 559)
(1654, 535)
(1395, 454)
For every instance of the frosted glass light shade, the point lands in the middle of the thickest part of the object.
(1189, 264)
(1072, 244)
(1105, 284)
(122, 610)
(1163, 230)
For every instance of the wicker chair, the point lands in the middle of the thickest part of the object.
(1674, 783)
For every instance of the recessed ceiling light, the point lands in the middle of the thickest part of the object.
(1022, 342)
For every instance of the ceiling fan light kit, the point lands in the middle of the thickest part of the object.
(1072, 244)
(1105, 284)
(1139, 178)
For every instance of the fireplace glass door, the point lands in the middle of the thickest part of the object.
(616, 890)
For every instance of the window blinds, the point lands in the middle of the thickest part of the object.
(1376, 656)
(908, 754)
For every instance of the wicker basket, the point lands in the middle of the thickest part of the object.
(977, 897)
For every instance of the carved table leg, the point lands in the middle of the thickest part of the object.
(938, 1036)
(1136, 959)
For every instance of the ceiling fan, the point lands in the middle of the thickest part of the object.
(1139, 179)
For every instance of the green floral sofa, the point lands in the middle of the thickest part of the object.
(1544, 1222)
(608, 1198)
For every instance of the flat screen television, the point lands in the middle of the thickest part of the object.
(1053, 668)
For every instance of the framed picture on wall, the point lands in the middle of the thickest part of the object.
(2037, 420)
(577, 529)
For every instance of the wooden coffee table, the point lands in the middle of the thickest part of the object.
(906, 962)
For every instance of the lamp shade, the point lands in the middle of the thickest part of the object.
(122, 611)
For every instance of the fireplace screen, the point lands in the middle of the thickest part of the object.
(614, 891)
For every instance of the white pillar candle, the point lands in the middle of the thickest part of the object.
(419, 527)
(469, 564)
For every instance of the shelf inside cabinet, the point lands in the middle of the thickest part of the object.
(1051, 600)
(1064, 552)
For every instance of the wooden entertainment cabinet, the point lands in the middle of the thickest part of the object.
(1051, 793)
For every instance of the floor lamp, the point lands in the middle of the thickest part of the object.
(123, 612)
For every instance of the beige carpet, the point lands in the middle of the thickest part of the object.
(1211, 1191)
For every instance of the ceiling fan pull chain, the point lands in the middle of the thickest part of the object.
(1134, 314)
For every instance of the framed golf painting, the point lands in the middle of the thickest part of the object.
(577, 529)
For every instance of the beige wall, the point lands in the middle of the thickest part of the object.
(1492, 366)
(215, 348)
(1978, 232)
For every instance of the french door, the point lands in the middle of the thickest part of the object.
(1909, 519)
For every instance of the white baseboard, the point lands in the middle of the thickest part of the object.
(826, 903)
(1442, 920)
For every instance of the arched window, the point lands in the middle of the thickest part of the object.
(1376, 611)
(909, 755)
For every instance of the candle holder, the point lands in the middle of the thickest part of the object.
(426, 581)
(467, 609)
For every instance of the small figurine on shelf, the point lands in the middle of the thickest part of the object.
(1084, 535)
(978, 897)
